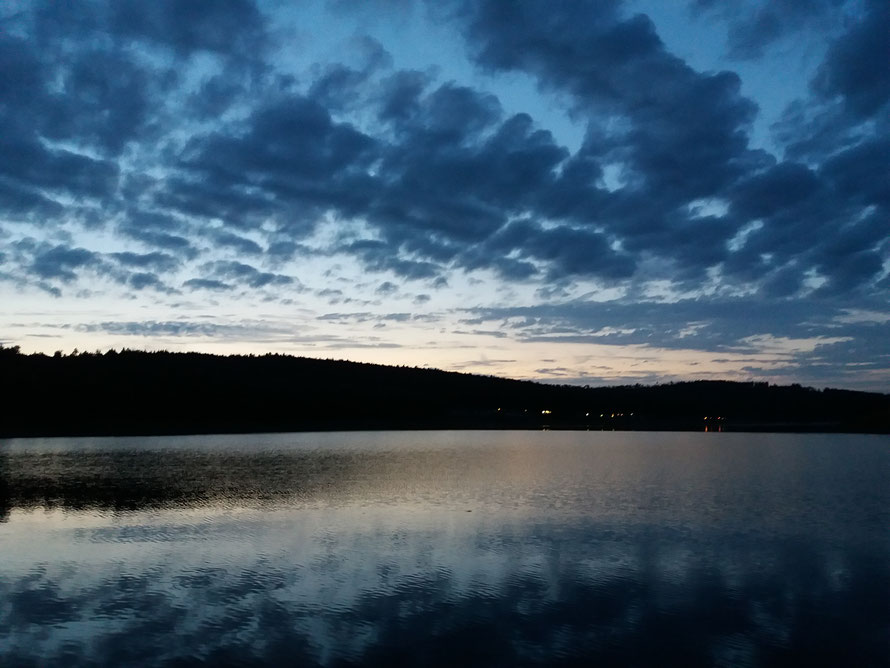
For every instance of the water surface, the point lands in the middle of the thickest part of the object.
(446, 548)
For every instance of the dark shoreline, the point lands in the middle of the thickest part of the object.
(762, 428)
(132, 393)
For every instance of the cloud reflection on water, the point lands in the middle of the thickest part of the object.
(368, 555)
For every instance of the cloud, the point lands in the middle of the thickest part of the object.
(159, 231)
(448, 181)
(704, 324)
(167, 328)
(141, 280)
(675, 135)
(824, 221)
(387, 288)
(566, 250)
(681, 136)
(575, 578)
(233, 28)
(185, 145)
(861, 173)
(815, 338)
(452, 176)
(340, 87)
(38, 168)
(850, 71)
(61, 262)
(21, 203)
(206, 284)
(171, 242)
(849, 96)
(236, 243)
(155, 260)
(290, 149)
(758, 25)
(106, 101)
(244, 273)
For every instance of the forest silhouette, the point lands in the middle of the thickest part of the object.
(138, 392)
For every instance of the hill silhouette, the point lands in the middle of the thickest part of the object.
(137, 392)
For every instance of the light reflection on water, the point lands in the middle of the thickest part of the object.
(446, 548)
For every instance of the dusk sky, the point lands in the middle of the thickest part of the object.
(577, 192)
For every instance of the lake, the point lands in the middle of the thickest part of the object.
(447, 548)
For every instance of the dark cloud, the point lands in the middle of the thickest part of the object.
(454, 114)
(227, 27)
(216, 197)
(141, 280)
(158, 230)
(206, 284)
(444, 181)
(215, 96)
(381, 256)
(786, 281)
(341, 87)
(854, 69)
(774, 190)
(294, 137)
(22, 83)
(444, 178)
(47, 265)
(682, 138)
(80, 80)
(861, 174)
(682, 135)
(82, 76)
(171, 242)
(171, 126)
(705, 324)
(849, 93)
(815, 220)
(357, 317)
(455, 173)
(755, 26)
(233, 241)
(566, 251)
(387, 288)
(23, 203)
(244, 273)
(61, 262)
(165, 328)
(452, 175)
(292, 161)
(40, 170)
(118, 267)
(441, 190)
(282, 250)
(398, 97)
(232, 28)
(106, 100)
(158, 261)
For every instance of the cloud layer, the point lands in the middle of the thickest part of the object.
(205, 149)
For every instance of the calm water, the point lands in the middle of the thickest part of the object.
(446, 548)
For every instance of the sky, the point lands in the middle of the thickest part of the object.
(575, 192)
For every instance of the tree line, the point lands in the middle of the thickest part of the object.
(139, 392)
